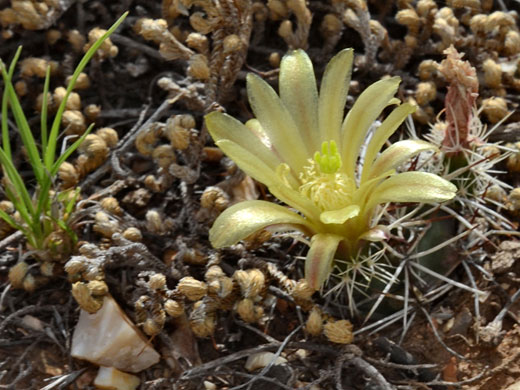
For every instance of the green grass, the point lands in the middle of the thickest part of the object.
(41, 213)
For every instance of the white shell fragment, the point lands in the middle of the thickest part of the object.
(109, 338)
(110, 378)
(262, 359)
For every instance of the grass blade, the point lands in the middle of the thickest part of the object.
(50, 151)
(24, 130)
(56, 166)
(43, 124)
(6, 143)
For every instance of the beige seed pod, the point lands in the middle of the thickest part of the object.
(497, 193)
(513, 161)
(82, 82)
(222, 287)
(213, 273)
(427, 68)
(425, 8)
(83, 297)
(92, 112)
(499, 19)
(314, 324)
(32, 66)
(173, 308)
(17, 274)
(76, 39)
(73, 101)
(75, 266)
(86, 164)
(251, 282)
(133, 234)
(29, 283)
(425, 92)
(39, 102)
(108, 135)
(21, 88)
(157, 281)
(73, 122)
(164, 156)
(47, 268)
(232, 43)
(146, 140)
(492, 73)
(151, 328)
(409, 18)
(285, 30)
(178, 134)
(198, 42)
(302, 290)
(200, 23)
(107, 48)
(7, 206)
(331, 25)
(214, 198)
(97, 288)
(198, 67)
(246, 310)
(104, 225)
(274, 59)
(512, 43)
(192, 288)
(52, 36)
(111, 205)
(478, 23)
(514, 199)
(495, 109)
(339, 332)
(154, 221)
(202, 323)
(68, 175)
(95, 147)
(278, 9)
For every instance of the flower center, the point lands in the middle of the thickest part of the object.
(322, 181)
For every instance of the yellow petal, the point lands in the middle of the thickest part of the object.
(339, 216)
(277, 123)
(333, 95)
(383, 132)
(248, 162)
(294, 199)
(397, 154)
(365, 111)
(300, 96)
(245, 218)
(222, 126)
(318, 263)
(419, 187)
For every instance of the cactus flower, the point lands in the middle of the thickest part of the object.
(303, 149)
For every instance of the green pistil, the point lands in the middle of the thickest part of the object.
(329, 160)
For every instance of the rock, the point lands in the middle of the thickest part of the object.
(109, 338)
(262, 359)
(110, 378)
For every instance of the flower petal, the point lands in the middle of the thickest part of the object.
(340, 216)
(222, 126)
(248, 162)
(419, 187)
(397, 154)
(245, 218)
(277, 122)
(333, 95)
(299, 95)
(365, 111)
(318, 263)
(383, 132)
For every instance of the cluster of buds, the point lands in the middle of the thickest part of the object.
(90, 295)
(336, 331)
(31, 14)
(93, 152)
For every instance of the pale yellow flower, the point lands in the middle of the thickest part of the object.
(303, 150)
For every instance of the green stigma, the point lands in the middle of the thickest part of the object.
(329, 160)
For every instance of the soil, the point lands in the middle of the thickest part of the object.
(445, 345)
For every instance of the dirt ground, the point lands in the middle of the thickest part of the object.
(448, 343)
